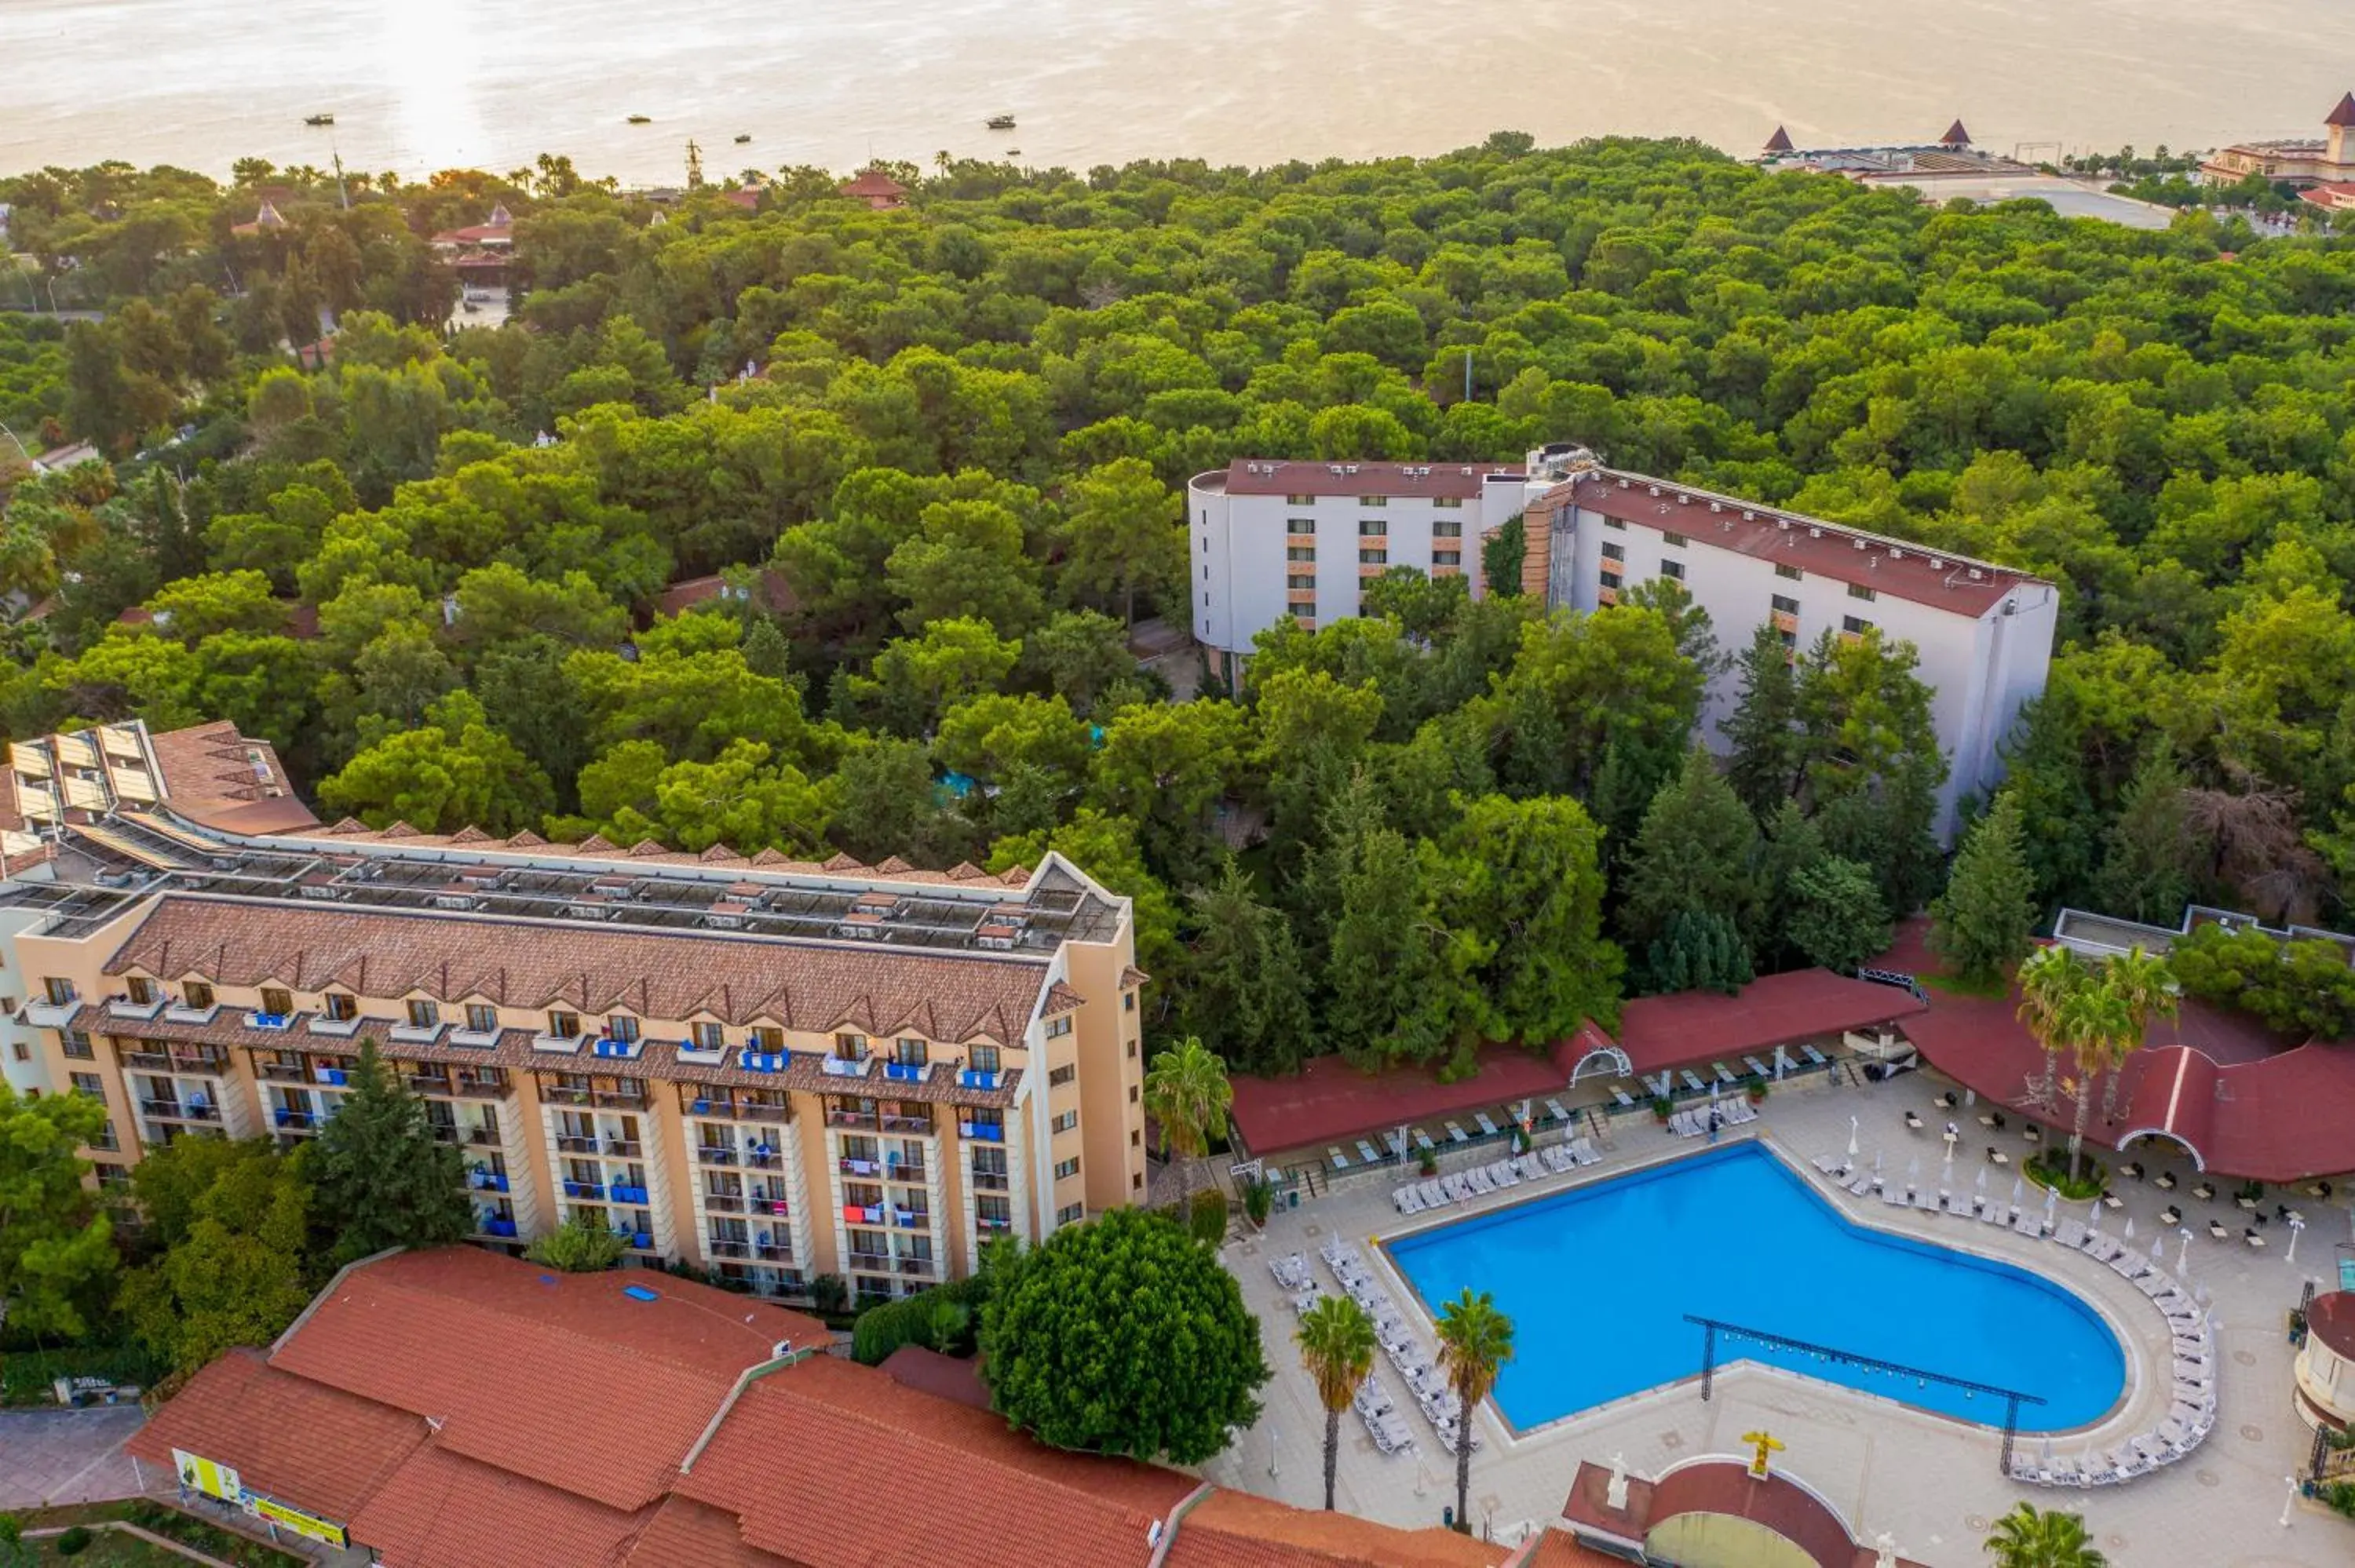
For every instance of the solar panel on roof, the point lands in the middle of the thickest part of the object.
(639, 1293)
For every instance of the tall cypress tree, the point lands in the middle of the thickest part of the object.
(1985, 921)
(1248, 999)
(1763, 731)
(1696, 853)
(380, 1180)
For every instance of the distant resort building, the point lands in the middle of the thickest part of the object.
(1950, 156)
(2301, 160)
(266, 220)
(482, 253)
(876, 189)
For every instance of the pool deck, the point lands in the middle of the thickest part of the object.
(1932, 1483)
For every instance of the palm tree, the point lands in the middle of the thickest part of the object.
(1474, 1339)
(2028, 1537)
(2049, 977)
(2096, 1026)
(1186, 1090)
(1337, 1345)
(2147, 987)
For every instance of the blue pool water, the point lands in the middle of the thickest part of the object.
(1597, 1280)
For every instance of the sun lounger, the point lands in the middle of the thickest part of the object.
(1407, 1201)
(1926, 1201)
(1960, 1203)
(1554, 1110)
(1742, 1111)
(1692, 1081)
(1338, 1160)
(1422, 1141)
(1529, 1166)
(1996, 1214)
(1815, 1058)
(2028, 1223)
(2070, 1233)
(1830, 1166)
(1757, 1066)
(1456, 1134)
(1626, 1101)
(1583, 1151)
(1367, 1152)
(1861, 1183)
(1480, 1180)
(1897, 1197)
(1434, 1194)
(1487, 1128)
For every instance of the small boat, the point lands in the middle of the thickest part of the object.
(742, 137)
(318, 119)
(642, 119)
(1000, 122)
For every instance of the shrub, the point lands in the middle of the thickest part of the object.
(74, 1542)
(1259, 1198)
(577, 1246)
(944, 1319)
(1206, 1217)
(828, 1293)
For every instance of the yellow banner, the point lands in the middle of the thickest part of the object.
(296, 1519)
(200, 1474)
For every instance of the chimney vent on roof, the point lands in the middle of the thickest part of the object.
(1682, 499)
(1654, 488)
(1349, 468)
(1623, 482)
(1895, 554)
(1782, 522)
(1977, 576)
(1863, 546)
(1937, 565)
(1717, 506)
(1333, 468)
(1815, 533)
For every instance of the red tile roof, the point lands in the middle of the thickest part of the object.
(437, 1512)
(1329, 1101)
(2204, 1077)
(2330, 1318)
(687, 1534)
(942, 1377)
(221, 779)
(873, 183)
(287, 1437)
(1780, 142)
(2343, 111)
(559, 1378)
(1955, 136)
(1935, 577)
(801, 1456)
(1692, 1026)
(1235, 1530)
(1271, 476)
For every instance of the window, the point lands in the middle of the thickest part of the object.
(1071, 1214)
(1373, 501)
(1128, 1001)
(1300, 501)
(1304, 580)
(1455, 502)
(1058, 1027)
(22, 1052)
(198, 995)
(1858, 590)
(1793, 572)
(277, 1001)
(106, 1139)
(982, 1058)
(1855, 626)
(113, 1178)
(341, 1007)
(424, 1014)
(1370, 526)
(1300, 553)
(141, 989)
(1613, 552)
(911, 1051)
(1668, 537)
(1300, 525)
(1132, 1050)
(1373, 558)
(620, 1026)
(482, 1018)
(1615, 523)
(708, 1035)
(1064, 1121)
(1673, 570)
(1061, 1075)
(1131, 1094)
(1784, 604)
(60, 993)
(89, 1084)
(1447, 528)
(562, 1025)
(1446, 557)
(850, 1047)
(1206, 571)
(1067, 1168)
(1136, 1181)
(1136, 1138)
(76, 1043)
(767, 1037)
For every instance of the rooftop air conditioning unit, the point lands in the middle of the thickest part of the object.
(1750, 516)
(1861, 545)
(1623, 482)
(1654, 488)
(1815, 533)
(1937, 565)
(1977, 576)
(1895, 554)
(1782, 522)
(1717, 506)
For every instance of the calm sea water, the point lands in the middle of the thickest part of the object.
(1598, 1280)
(416, 85)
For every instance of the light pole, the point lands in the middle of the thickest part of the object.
(2290, 1498)
(2183, 1253)
(2296, 1224)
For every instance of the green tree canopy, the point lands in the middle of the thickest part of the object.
(55, 1246)
(380, 1177)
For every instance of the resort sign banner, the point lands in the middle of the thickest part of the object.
(215, 1479)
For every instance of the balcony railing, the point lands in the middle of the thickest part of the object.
(989, 1181)
(585, 1191)
(564, 1094)
(271, 1023)
(719, 1246)
(180, 1110)
(124, 1007)
(866, 1121)
(626, 1195)
(487, 1181)
(637, 1241)
(985, 1132)
(473, 1089)
(909, 1170)
(337, 1028)
(994, 1222)
(841, 1067)
(632, 1099)
(714, 1154)
(873, 1262)
(506, 1228)
(924, 1267)
(723, 1202)
(907, 1071)
(573, 1143)
(52, 1014)
(183, 1012)
(183, 1061)
(624, 1149)
(416, 1034)
(563, 1044)
(901, 1122)
(288, 1120)
(758, 1111)
(774, 1252)
(478, 1039)
(764, 1159)
(285, 1072)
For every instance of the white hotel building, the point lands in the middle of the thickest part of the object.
(1983, 632)
(1275, 538)
(1271, 539)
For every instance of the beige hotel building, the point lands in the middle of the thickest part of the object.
(770, 1069)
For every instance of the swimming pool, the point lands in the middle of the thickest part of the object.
(1597, 1280)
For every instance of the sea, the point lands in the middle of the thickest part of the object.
(419, 85)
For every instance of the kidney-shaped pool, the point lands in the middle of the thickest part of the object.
(1598, 1280)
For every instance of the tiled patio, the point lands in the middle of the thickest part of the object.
(1933, 1484)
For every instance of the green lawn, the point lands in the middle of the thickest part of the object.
(1956, 986)
(110, 1549)
(113, 1548)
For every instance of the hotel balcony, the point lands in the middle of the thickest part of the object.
(198, 1062)
(901, 1122)
(416, 1033)
(487, 1181)
(283, 1071)
(727, 1246)
(993, 1224)
(124, 1007)
(576, 1143)
(990, 1181)
(465, 1136)
(585, 1192)
(633, 1098)
(623, 1149)
(52, 1014)
(983, 1131)
(181, 1012)
(475, 1039)
(334, 1027)
(560, 1044)
(287, 1119)
(864, 1121)
(180, 1110)
(271, 1022)
(774, 1251)
(724, 1203)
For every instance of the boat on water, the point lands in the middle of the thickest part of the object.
(1000, 122)
(318, 119)
(642, 119)
(742, 137)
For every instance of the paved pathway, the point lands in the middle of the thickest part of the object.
(49, 1457)
(1932, 1483)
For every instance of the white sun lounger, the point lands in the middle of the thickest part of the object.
(2028, 1223)
(1434, 1194)
(1480, 1178)
(1996, 1214)
(1692, 1081)
(1407, 1201)
(1861, 1183)
(1626, 1101)
(1487, 1128)
(1757, 1066)
(1897, 1197)
(1554, 1108)
(1815, 1058)
(2070, 1233)
(1927, 1202)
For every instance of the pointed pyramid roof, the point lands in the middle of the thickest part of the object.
(1780, 142)
(1955, 136)
(267, 216)
(500, 218)
(2345, 114)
